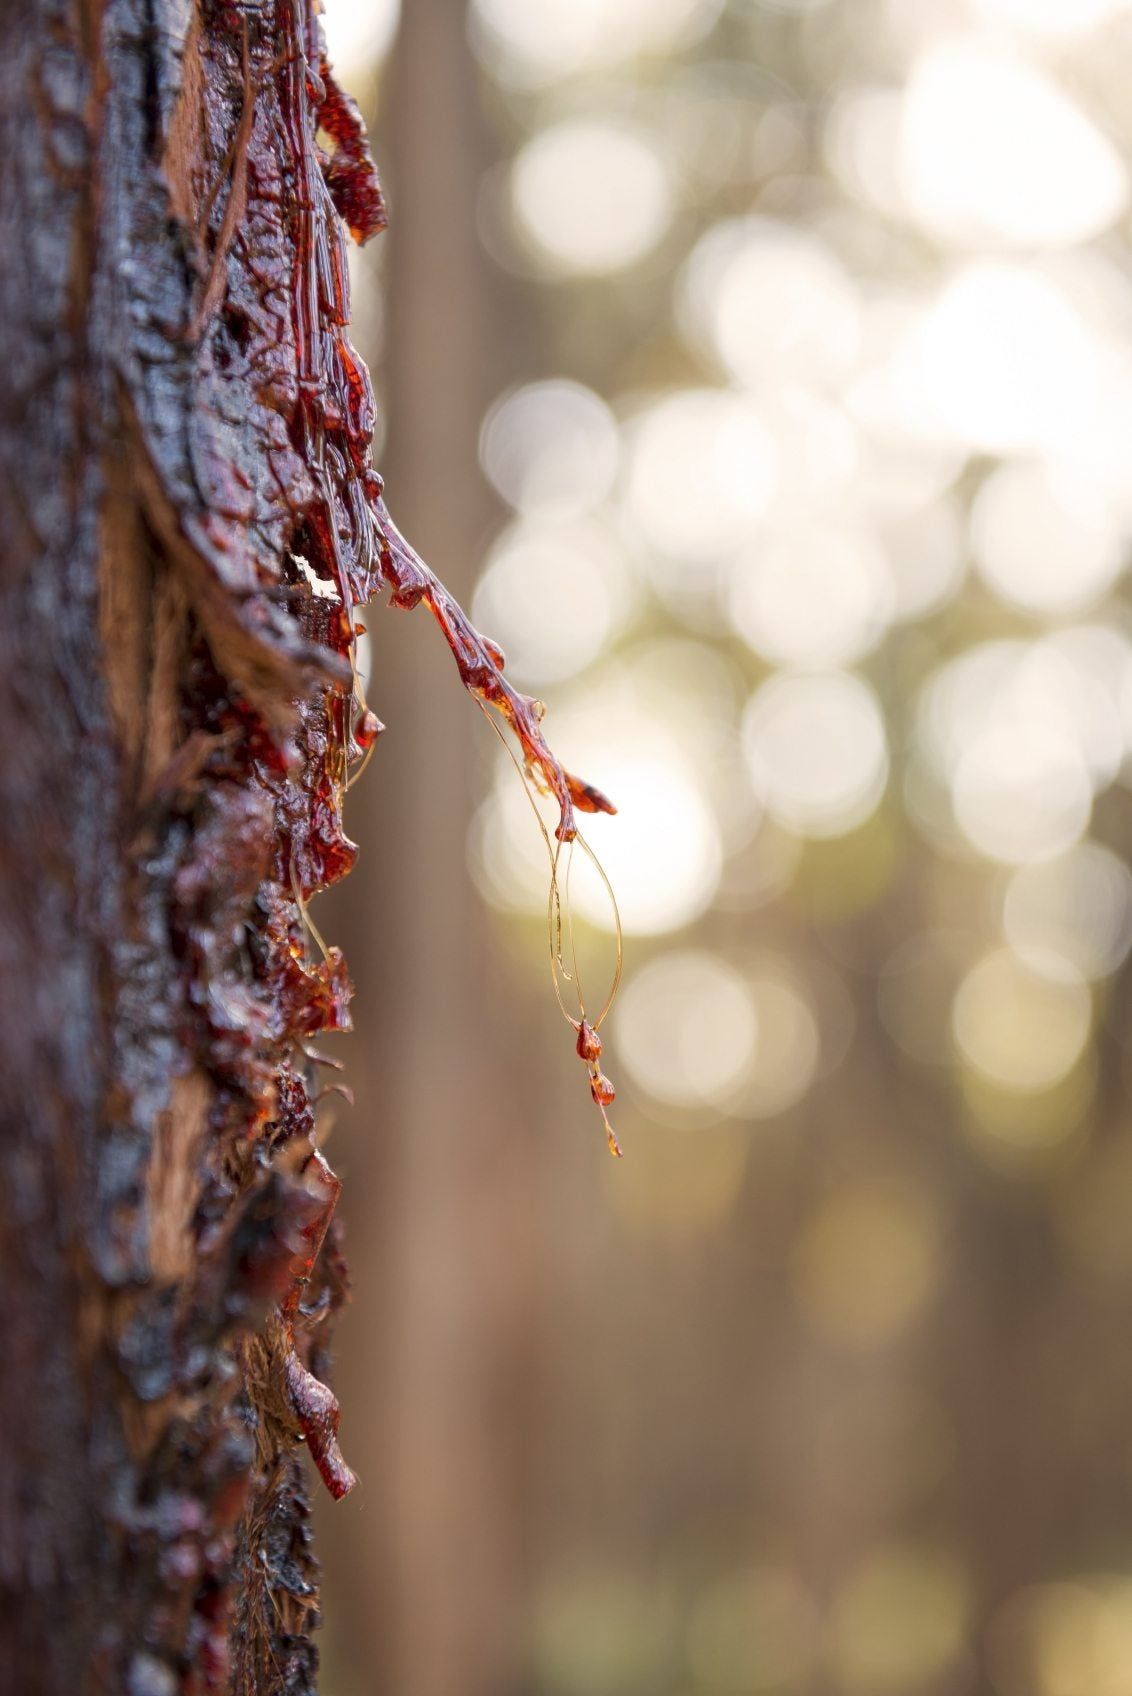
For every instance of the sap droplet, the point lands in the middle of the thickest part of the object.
(589, 1043)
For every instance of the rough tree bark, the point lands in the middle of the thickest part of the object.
(187, 517)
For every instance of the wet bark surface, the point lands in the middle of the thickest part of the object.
(187, 520)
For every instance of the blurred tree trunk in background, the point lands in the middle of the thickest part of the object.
(438, 1347)
(174, 728)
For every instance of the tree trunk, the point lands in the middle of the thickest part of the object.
(187, 520)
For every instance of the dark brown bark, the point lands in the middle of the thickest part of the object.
(187, 518)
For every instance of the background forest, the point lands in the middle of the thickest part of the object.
(762, 372)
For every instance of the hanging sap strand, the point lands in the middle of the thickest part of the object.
(589, 1044)
(352, 539)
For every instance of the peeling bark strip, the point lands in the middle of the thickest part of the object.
(188, 520)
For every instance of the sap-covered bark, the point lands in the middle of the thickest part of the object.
(184, 436)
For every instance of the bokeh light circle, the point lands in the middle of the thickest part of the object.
(1077, 906)
(686, 1029)
(993, 152)
(1022, 1019)
(592, 195)
(552, 597)
(358, 35)
(1040, 548)
(816, 749)
(899, 1621)
(773, 302)
(1002, 363)
(813, 595)
(1021, 795)
(702, 468)
(663, 854)
(550, 448)
(532, 43)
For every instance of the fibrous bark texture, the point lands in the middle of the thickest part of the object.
(187, 521)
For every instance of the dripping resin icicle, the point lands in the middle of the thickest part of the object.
(337, 419)
(588, 1045)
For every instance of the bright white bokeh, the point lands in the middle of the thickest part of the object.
(702, 468)
(1002, 362)
(772, 302)
(1095, 459)
(1068, 684)
(591, 195)
(1041, 544)
(1023, 735)
(816, 750)
(693, 1031)
(1077, 906)
(925, 548)
(553, 597)
(535, 42)
(993, 153)
(359, 32)
(690, 692)
(792, 6)
(905, 477)
(910, 453)
(686, 1029)
(551, 449)
(1053, 20)
(689, 688)
(662, 851)
(818, 452)
(1021, 793)
(1082, 671)
(813, 595)
(861, 142)
(1022, 1020)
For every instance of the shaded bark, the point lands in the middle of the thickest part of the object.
(187, 518)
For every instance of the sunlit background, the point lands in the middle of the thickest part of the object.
(761, 372)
